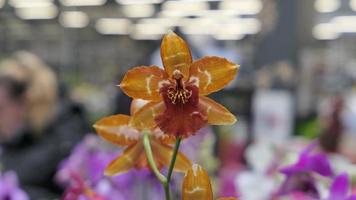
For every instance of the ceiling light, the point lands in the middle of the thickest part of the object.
(44, 11)
(2, 2)
(27, 3)
(166, 22)
(143, 36)
(74, 19)
(83, 2)
(137, 11)
(326, 6)
(216, 13)
(127, 2)
(231, 26)
(224, 36)
(325, 31)
(183, 8)
(113, 26)
(353, 5)
(249, 25)
(149, 31)
(199, 26)
(247, 7)
(344, 24)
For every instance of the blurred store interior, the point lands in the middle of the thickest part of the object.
(297, 80)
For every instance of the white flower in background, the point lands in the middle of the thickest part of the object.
(254, 186)
(260, 156)
(342, 164)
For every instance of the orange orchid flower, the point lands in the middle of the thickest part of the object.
(117, 130)
(178, 104)
(197, 186)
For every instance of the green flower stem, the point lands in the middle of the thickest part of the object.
(151, 161)
(174, 158)
(164, 180)
(171, 165)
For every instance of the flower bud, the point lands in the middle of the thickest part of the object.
(196, 184)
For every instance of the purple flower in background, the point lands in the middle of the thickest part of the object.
(299, 183)
(299, 176)
(300, 196)
(310, 162)
(195, 142)
(82, 175)
(339, 188)
(9, 188)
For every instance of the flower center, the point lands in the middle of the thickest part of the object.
(178, 93)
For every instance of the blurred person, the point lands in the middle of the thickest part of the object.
(38, 125)
(333, 127)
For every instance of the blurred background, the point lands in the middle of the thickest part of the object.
(60, 62)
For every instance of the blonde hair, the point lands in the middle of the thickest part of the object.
(41, 87)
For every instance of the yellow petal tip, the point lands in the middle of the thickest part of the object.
(234, 120)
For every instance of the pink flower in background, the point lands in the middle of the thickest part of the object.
(78, 190)
(300, 196)
(9, 187)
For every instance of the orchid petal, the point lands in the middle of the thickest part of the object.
(217, 114)
(145, 117)
(126, 161)
(213, 73)
(353, 197)
(291, 169)
(227, 198)
(162, 137)
(309, 148)
(319, 163)
(302, 182)
(163, 153)
(143, 82)
(310, 163)
(175, 55)
(115, 129)
(339, 187)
